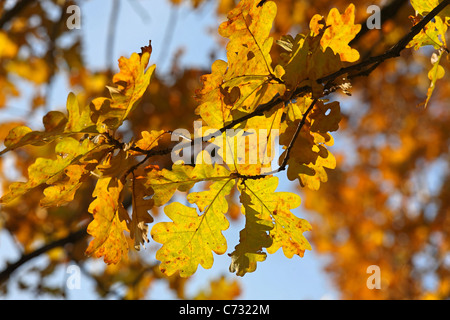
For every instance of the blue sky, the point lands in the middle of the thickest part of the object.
(276, 278)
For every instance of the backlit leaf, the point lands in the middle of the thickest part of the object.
(109, 224)
(270, 224)
(49, 171)
(131, 83)
(190, 238)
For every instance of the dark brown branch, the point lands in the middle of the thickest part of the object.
(294, 137)
(14, 11)
(71, 238)
(393, 51)
(387, 13)
(360, 68)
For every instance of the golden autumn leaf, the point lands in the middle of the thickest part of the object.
(63, 191)
(269, 224)
(131, 83)
(49, 171)
(307, 62)
(254, 237)
(165, 182)
(436, 72)
(247, 79)
(424, 7)
(56, 125)
(109, 223)
(341, 29)
(79, 117)
(309, 156)
(149, 139)
(190, 238)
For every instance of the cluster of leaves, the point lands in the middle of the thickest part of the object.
(248, 92)
(234, 89)
(433, 34)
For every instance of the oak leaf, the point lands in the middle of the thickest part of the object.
(341, 29)
(131, 83)
(109, 222)
(270, 224)
(48, 171)
(190, 238)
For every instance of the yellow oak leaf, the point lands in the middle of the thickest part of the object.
(436, 72)
(79, 117)
(269, 224)
(165, 182)
(254, 237)
(314, 173)
(212, 109)
(149, 139)
(63, 191)
(247, 79)
(109, 222)
(190, 238)
(56, 125)
(325, 117)
(248, 28)
(131, 83)
(49, 171)
(432, 34)
(341, 29)
(22, 135)
(308, 156)
(308, 62)
(423, 7)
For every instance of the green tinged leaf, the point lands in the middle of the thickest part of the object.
(131, 83)
(190, 238)
(49, 172)
(269, 224)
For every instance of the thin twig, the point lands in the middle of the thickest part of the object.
(71, 238)
(168, 35)
(294, 137)
(283, 165)
(387, 12)
(112, 33)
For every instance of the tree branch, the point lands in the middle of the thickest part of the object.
(393, 51)
(387, 12)
(370, 63)
(283, 165)
(14, 11)
(71, 238)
